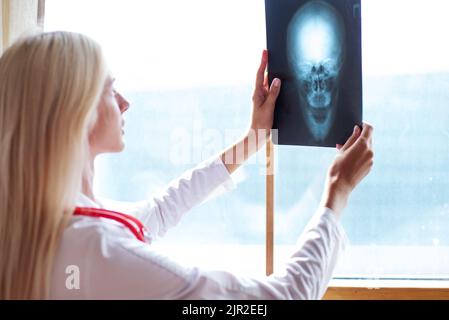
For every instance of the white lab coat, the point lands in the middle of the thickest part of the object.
(112, 264)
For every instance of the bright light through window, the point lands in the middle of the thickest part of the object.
(170, 43)
(189, 66)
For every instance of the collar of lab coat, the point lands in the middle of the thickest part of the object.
(85, 201)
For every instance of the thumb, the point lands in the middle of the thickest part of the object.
(352, 139)
(274, 92)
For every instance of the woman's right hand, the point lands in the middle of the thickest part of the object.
(353, 163)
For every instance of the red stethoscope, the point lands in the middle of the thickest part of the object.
(132, 223)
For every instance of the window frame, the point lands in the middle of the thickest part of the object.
(338, 290)
(41, 13)
(399, 292)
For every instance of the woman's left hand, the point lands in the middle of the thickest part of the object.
(264, 99)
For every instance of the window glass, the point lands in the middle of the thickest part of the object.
(397, 221)
(188, 68)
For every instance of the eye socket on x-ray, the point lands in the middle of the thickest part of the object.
(320, 42)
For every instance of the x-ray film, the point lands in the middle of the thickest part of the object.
(315, 49)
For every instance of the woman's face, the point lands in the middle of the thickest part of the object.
(107, 133)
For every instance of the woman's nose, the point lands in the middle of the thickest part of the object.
(123, 103)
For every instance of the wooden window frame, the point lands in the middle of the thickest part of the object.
(41, 13)
(387, 290)
(338, 290)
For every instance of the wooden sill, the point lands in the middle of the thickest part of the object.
(388, 290)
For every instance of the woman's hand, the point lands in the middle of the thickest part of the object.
(353, 163)
(264, 101)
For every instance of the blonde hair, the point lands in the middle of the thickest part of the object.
(50, 85)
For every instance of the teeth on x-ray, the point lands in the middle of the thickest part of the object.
(315, 51)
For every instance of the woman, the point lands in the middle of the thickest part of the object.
(58, 111)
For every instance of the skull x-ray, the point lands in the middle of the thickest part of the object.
(315, 48)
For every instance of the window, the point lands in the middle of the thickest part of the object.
(190, 71)
(188, 74)
(397, 220)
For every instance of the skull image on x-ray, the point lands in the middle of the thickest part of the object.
(316, 54)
